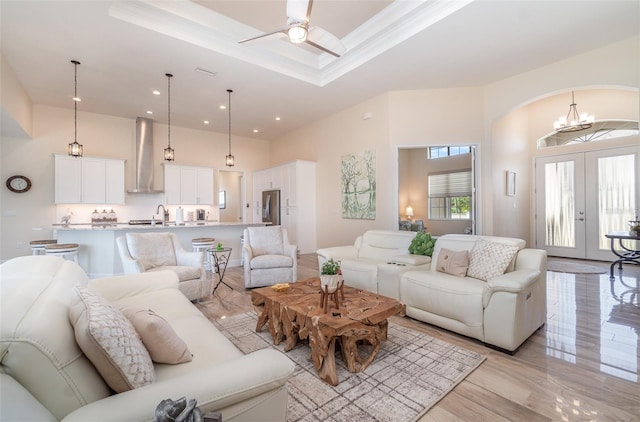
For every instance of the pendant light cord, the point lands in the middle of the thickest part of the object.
(75, 100)
(169, 75)
(229, 91)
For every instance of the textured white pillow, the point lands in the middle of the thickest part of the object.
(110, 342)
(488, 260)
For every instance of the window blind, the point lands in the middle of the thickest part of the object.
(442, 185)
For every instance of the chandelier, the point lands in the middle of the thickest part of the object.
(75, 149)
(168, 151)
(574, 121)
(229, 158)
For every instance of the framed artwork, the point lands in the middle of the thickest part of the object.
(511, 183)
(359, 185)
(222, 199)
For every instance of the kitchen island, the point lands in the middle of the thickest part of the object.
(98, 253)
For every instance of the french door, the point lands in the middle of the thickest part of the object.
(581, 197)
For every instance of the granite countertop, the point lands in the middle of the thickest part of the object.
(170, 225)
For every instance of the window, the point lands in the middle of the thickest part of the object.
(450, 195)
(440, 152)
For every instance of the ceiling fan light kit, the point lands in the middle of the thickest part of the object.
(298, 31)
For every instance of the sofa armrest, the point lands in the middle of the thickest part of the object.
(118, 287)
(532, 259)
(512, 282)
(338, 252)
(214, 388)
(411, 259)
(18, 404)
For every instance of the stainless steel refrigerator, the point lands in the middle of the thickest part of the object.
(271, 207)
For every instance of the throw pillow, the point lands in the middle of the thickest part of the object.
(160, 339)
(110, 342)
(488, 260)
(453, 262)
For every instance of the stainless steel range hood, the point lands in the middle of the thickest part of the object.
(144, 157)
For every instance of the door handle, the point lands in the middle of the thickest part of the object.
(580, 219)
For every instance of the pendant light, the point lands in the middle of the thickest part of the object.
(75, 149)
(168, 151)
(229, 160)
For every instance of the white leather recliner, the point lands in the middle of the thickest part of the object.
(268, 257)
(144, 252)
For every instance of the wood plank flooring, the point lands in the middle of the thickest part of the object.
(582, 365)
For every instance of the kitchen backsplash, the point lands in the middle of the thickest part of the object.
(137, 207)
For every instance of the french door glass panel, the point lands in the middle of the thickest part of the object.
(581, 197)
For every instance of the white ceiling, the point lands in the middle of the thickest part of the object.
(126, 47)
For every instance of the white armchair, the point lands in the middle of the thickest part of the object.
(146, 252)
(268, 257)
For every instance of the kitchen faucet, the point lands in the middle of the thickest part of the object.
(165, 214)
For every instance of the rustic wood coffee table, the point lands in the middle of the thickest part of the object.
(296, 314)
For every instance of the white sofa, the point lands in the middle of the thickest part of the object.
(376, 260)
(46, 377)
(502, 311)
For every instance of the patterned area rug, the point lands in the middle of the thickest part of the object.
(411, 373)
(574, 267)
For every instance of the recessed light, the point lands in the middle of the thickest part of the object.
(255, 131)
(278, 118)
(156, 92)
(206, 122)
(223, 107)
(149, 112)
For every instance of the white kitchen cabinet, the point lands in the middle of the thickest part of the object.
(188, 185)
(114, 192)
(88, 180)
(67, 179)
(297, 184)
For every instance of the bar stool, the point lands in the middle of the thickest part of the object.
(63, 250)
(37, 246)
(201, 244)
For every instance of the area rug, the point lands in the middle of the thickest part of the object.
(559, 266)
(410, 374)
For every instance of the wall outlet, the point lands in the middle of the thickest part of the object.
(20, 245)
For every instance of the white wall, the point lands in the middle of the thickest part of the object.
(458, 116)
(16, 105)
(103, 136)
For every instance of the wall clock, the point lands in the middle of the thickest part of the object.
(18, 184)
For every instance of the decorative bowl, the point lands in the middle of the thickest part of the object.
(280, 287)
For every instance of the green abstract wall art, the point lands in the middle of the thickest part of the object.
(359, 185)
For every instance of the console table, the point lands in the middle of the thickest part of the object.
(623, 253)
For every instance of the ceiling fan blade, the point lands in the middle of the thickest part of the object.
(325, 41)
(299, 10)
(275, 34)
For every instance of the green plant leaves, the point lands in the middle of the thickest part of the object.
(422, 244)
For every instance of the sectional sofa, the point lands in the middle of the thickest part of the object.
(66, 355)
(489, 288)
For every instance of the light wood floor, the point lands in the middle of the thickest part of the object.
(582, 365)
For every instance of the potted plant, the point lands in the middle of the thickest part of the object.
(330, 275)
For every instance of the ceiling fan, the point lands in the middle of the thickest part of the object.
(298, 31)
